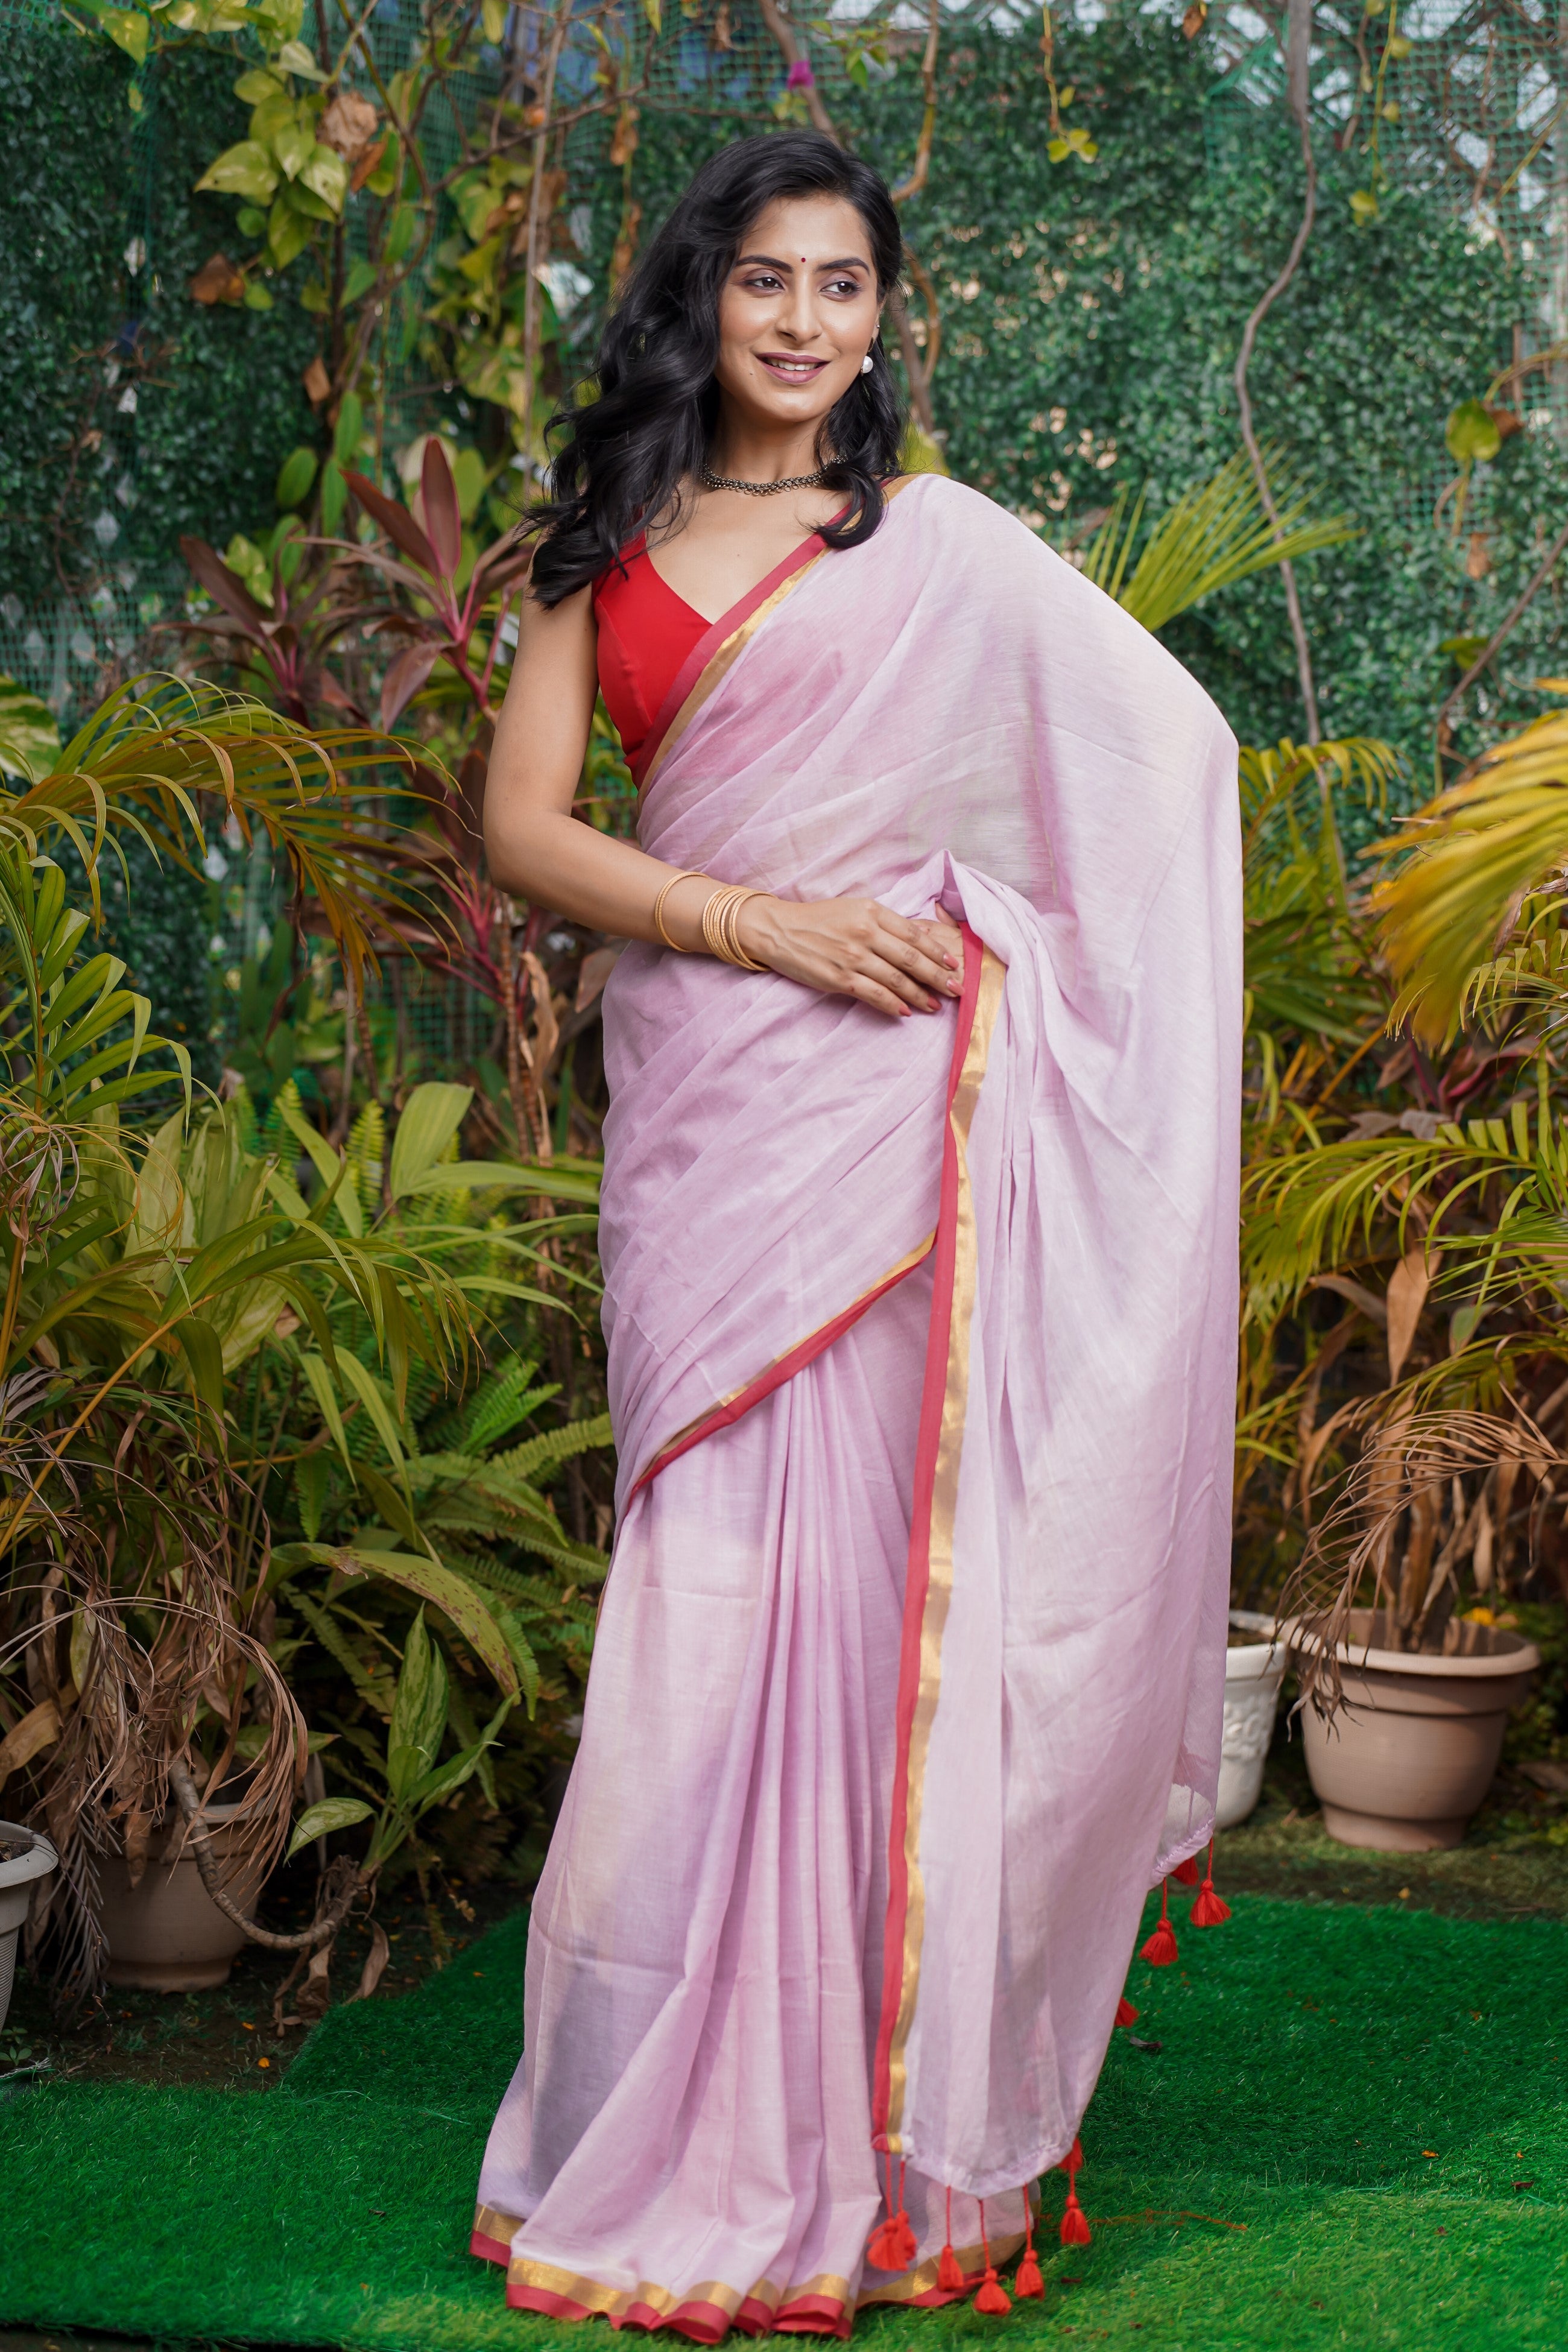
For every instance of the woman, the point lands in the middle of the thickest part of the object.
(919, 1246)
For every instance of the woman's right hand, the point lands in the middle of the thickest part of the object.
(857, 947)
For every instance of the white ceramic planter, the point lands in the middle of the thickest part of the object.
(1253, 1673)
(17, 1879)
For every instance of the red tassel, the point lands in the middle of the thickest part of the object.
(992, 2297)
(1125, 2012)
(892, 2245)
(1075, 2229)
(1210, 1910)
(949, 2276)
(1186, 1872)
(1159, 1951)
(1028, 2283)
(1071, 2161)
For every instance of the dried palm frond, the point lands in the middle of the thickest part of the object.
(1409, 1477)
(136, 1637)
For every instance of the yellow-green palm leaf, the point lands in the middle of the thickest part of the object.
(1216, 534)
(1466, 863)
(162, 750)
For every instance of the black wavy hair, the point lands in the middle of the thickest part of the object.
(626, 453)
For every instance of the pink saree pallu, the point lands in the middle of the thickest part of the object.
(909, 1678)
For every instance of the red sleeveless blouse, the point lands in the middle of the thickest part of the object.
(646, 631)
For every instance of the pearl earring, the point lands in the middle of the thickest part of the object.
(866, 364)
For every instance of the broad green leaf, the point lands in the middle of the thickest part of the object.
(287, 233)
(326, 176)
(245, 170)
(29, 739)
(347, 431)
(252, 88)
(292, 142)
(295, 477)
(321, 1819)
(450, 1776)
(163, 1220)
(400, 235)
(430, 1120)
(334, 495)
(295, 58)
(418, 1710)
(310, 1492)
(204, 1356)
(1471, 433)
(469, 478)
(428, 1581)
(127, 28)
(319, 1381)
(555, 1183)
(392, 1506)
(329, 1164)
(367, 1388)
(384, 177)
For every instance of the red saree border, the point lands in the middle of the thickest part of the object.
(822, 2306)
(724, 638)
(711, 642)
(783, 1367)
(928, 1581)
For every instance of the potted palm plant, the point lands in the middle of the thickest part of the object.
(1438, 1229)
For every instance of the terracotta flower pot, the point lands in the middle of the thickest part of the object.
(1253, 1673)
(1410, 1756)
(166, 1934)
(18, 1877)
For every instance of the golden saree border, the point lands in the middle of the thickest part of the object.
(740, 625)
(928, 1589)
(497, 2227)
(595, 2300)
(592, 2299)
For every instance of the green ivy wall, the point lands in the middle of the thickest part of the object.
(1090, 317)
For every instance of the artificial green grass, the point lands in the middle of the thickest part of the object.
(1372, 2100)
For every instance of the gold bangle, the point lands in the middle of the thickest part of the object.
(720, 934)
(731, 923)
(690, 876)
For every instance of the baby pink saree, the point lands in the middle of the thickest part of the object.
(908, 1683)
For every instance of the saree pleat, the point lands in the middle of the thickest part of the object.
(691, 2118)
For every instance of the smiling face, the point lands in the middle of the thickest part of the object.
(797, 312)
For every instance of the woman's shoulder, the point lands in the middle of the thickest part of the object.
(989, 558)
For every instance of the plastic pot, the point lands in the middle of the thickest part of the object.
(18, 1877)
(1253, 1673)
(166, 1934)
(1409, 1757)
